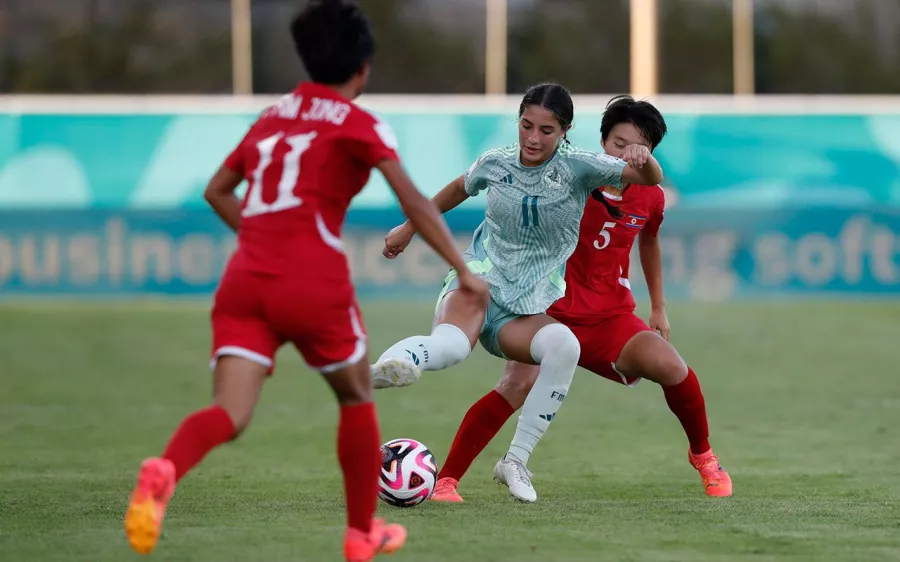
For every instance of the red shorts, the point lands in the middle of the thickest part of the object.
(253, 315)
(602, 342)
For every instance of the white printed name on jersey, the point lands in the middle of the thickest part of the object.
(332, 111)
(288, 107)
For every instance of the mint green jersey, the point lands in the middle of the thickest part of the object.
(532, 221)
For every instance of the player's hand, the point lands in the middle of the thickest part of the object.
(397, 240)
(636, 155)
(473, 286)
(660, 322)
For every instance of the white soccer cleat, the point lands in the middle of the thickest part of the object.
(392, 373)
(518, 478)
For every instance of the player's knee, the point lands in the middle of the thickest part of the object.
(558, 340)
(514, 392)
(240, 418)
(454, 343)
(354, 398)
(358, 392)
(351, 384)
(670, 369)
(517, 381)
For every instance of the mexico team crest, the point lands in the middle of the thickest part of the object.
(553, 178)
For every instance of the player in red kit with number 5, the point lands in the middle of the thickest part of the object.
(304, 159)
(599, 309)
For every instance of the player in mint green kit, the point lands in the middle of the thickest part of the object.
(536, 193)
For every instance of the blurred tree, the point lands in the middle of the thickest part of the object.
(6, 38)
(695, 47)
(814, 47)
(415, 55)
(429, 46)
(810, 50)
(582, 44)
(131, 54)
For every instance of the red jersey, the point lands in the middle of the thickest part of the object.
(597, 272)
(304, 159)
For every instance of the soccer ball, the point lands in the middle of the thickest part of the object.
(408, 473)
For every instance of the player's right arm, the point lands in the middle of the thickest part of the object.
(427, 220)
(448, 198)
(637, 166)
(453, 194)
(642, 167)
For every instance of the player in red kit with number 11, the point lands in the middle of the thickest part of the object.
(304, 159)
(599, 309)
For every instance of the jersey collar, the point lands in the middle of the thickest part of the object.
(321, 90)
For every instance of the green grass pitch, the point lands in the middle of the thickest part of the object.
(804, 405)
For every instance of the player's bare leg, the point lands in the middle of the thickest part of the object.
(648, 355)
(516, 382)
(536, 339)
(457, 325)
(237, 383)
(360, 457)
(481, 424)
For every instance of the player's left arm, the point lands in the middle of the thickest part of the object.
(650, 253)
(220, 195)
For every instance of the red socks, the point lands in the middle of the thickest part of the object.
(486, 417)
(359, 452)
(198, 434)
(482, 422)
(685, 399)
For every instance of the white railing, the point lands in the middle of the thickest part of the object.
(431, 104)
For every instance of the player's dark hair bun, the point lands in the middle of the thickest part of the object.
(334, 7)
(333, 38)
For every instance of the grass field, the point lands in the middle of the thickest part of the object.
(804, 403)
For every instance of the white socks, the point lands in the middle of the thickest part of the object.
(445, 347)
(557, 351)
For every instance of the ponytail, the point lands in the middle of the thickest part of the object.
(613, 211)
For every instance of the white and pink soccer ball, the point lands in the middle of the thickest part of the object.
(408, 473)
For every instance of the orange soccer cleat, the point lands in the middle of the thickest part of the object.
(384, 538)
(716, 481)
(445, 491)
(151, 495)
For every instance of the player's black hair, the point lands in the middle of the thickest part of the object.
(614, 211)
(334, 40)
(554, 97)
(641, 114)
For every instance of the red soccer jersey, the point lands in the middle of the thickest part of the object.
(597, 272)
(304, 159)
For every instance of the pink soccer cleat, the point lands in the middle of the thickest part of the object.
(716, 481)
(151, 495)
(446, 491)
(384, 538)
